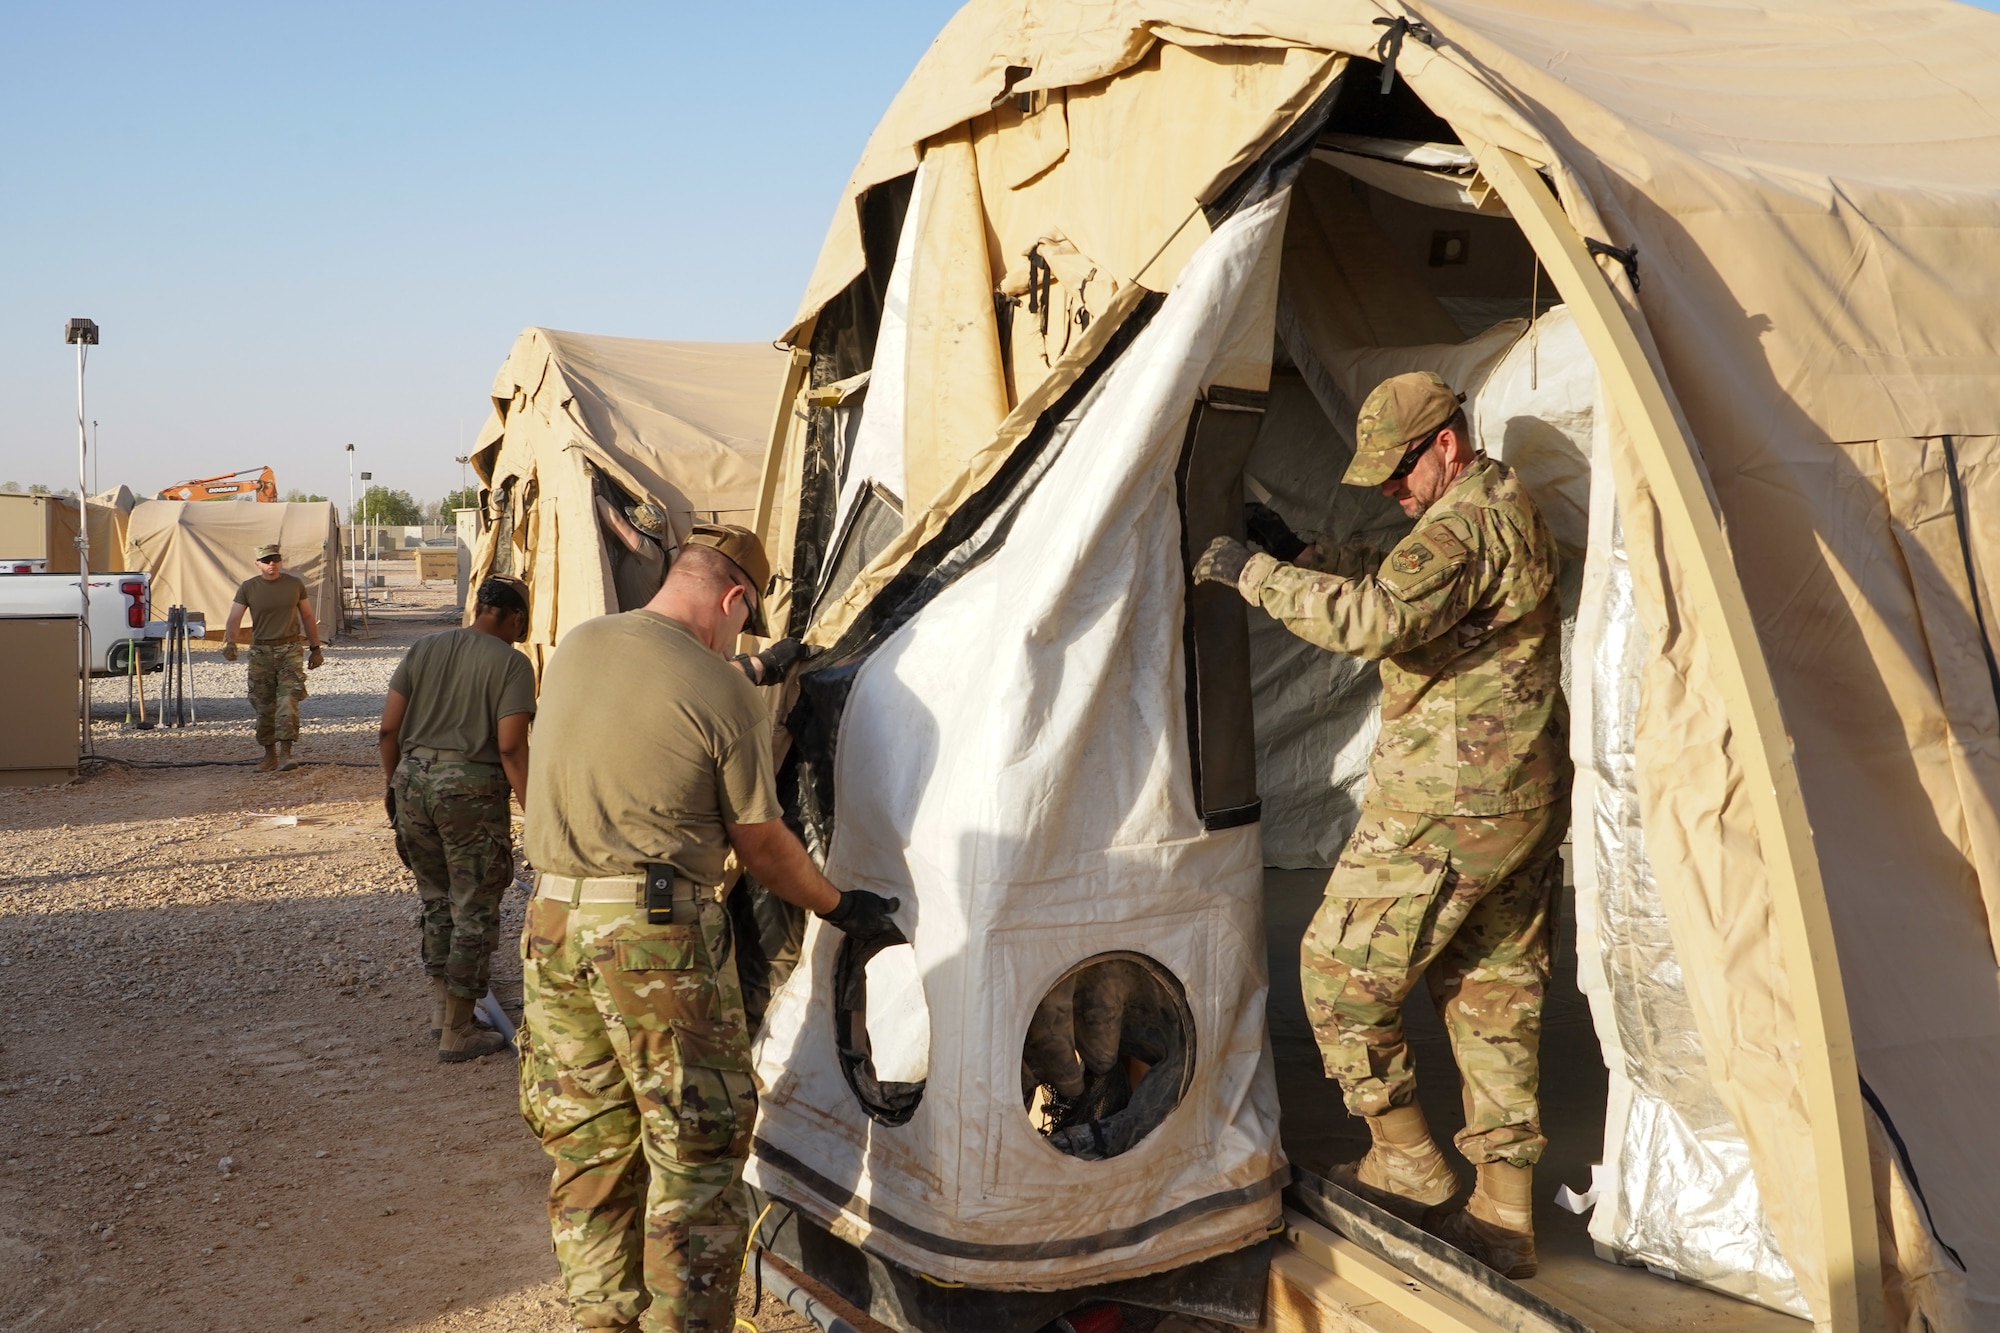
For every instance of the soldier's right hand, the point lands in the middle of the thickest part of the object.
(229, 650)
(864, 917)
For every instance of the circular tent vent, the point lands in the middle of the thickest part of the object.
(895, 1017)
(1109, 1054)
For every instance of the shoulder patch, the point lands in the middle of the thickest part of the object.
(1411, 559)
(1424, 561)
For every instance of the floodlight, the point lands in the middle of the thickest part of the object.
(81, 331)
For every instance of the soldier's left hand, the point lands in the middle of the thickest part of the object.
(389, 804)
(1222, 562)
(316, 659)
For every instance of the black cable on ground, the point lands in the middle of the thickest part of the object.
(94, 760)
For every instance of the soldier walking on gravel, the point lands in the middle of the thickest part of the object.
(454, 743)
(281, 628)
(1452, 867)
(656, 760)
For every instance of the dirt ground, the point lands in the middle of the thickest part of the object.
(220, 1104)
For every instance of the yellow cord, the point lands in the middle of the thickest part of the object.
(745, 1266)
(741, 1322)
(940, 1282)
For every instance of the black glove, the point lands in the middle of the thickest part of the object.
(389, 804)
(864, 917)
(769, 667)
(1270, 531)
(1222, 562)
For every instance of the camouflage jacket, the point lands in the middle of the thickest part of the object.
(1462, 615)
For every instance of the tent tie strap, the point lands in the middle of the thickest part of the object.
(1391, 45)
(1627, 257)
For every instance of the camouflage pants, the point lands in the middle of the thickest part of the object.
(1467, 899)
(452, 832)
(635, 1074)
(277, 683)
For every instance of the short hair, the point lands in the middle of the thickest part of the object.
(707, 570)
(501, 595)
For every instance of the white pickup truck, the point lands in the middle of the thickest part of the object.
(120, 605)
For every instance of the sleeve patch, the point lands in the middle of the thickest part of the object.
(1423, 561)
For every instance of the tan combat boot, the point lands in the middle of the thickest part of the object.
(1403, 1172)
(462, 1039)
(438, 996)
(270, 759)
(285, 761)
(1497, 1224)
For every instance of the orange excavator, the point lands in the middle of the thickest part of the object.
(260, 484)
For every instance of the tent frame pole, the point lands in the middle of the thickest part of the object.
(1829, 1073)
(779, 436)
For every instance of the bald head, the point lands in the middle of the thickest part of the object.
(706, 592)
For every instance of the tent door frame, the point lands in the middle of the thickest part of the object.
(1830, 1073)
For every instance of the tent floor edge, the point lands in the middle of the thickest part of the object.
(1228, 1288)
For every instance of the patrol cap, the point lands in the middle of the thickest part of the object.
(648, 519)
(744, 551)
(1401, 411)
(269, 551)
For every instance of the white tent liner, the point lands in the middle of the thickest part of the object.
(1013, 767)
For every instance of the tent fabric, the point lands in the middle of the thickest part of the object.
(200, 551)
(1810, 195)
(1024, 840)
(681, 425)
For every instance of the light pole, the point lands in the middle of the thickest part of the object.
(368, 527)
(82, 333)
(96, 460)
(354, 568)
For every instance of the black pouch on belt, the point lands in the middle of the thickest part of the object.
(660, 897)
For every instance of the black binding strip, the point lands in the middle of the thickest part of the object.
(1909, 1169)
(1022, 1252)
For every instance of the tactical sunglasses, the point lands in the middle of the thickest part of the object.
(269, 559)
(1409, 463)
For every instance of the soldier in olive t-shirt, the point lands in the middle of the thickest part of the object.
(454, 739)
(280, 616)
(652, 780)
(653, 750)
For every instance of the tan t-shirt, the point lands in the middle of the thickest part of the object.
(460, 684)
(645, 744)
(274, 607)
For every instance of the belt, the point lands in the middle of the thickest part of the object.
(281, 643)
(625, 889)
(432, 755)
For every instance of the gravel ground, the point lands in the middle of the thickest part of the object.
(220, 1106)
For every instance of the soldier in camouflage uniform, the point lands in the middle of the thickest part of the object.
(635, 1062)
(454, 743)
(284, 645)
(1453, 866)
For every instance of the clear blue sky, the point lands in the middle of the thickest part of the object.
(301, 226)
(304, 225)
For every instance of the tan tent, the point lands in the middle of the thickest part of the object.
(576, 418)
(43, 527)
(1774, 233)
(199, 553)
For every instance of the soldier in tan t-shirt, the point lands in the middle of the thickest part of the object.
(281, 629)
(653, 761)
